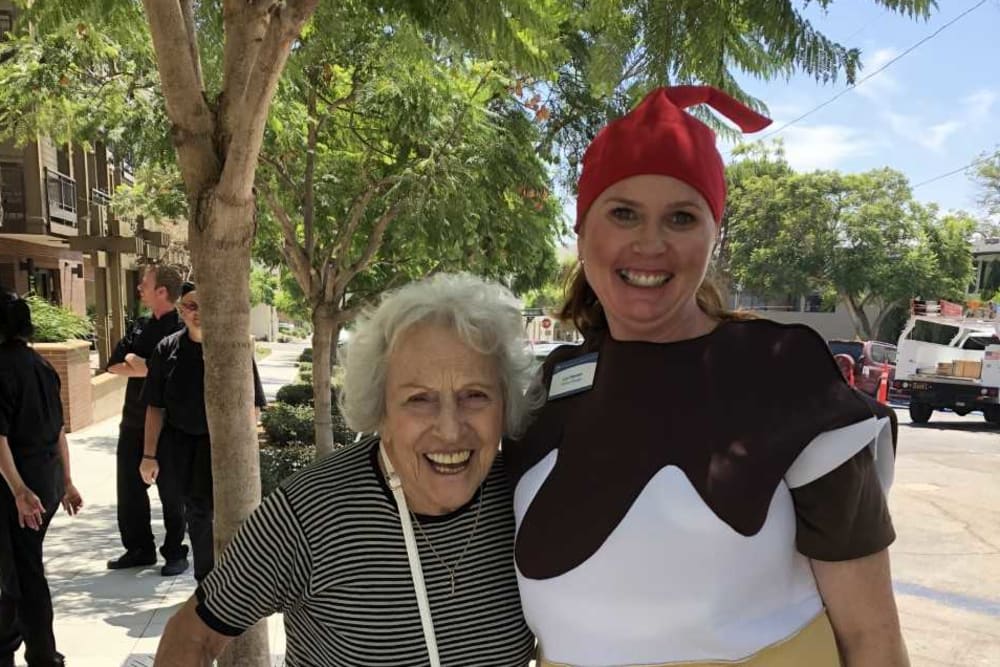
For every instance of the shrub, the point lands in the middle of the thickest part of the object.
(55, 324)
(307, 355)
(277, 463)
(300, 393)
(305, 372)
(288, 424)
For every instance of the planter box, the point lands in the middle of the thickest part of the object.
(72, 361)
(107, 395)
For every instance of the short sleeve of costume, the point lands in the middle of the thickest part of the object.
(154, 388)
(843, 515)
(123, 347)
(258, 389)
(264, 570)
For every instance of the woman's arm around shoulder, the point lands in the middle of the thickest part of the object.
(862, 609)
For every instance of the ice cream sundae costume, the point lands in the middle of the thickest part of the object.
(669, 496)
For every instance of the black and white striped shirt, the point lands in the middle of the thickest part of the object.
(326, 549)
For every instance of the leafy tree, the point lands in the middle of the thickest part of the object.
(987, 175)
(859, 238)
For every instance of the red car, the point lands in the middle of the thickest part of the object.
(870, 357)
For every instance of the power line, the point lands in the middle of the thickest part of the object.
(951, 173)
(876, 72)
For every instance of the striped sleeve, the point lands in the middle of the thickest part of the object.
(264, 570)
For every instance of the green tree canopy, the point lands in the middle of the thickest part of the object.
(858, 239)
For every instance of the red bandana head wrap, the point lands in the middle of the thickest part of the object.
(658, 137)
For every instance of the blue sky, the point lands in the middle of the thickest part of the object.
(933, 111)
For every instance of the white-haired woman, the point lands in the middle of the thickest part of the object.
(396, 550)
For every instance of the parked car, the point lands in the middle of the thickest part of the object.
(540, 350)
(870, 357)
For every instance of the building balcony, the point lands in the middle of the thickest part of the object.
(61, 191)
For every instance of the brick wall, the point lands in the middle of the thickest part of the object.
(72, 361)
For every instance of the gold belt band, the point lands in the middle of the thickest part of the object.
(814, 645)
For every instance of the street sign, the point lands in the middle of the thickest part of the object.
(546, 323)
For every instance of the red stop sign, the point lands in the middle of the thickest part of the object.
(546, 323)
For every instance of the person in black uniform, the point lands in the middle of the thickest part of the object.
(34, 461)
(178, 454)
(159, 290)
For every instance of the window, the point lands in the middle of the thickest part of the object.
(883, 354)
(980, 342)
(855, 349)
(11, 193)
(6, 23)
(932, 332)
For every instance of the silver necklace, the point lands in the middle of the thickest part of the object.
(454, 567)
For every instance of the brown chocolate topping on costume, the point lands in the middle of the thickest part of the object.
(732, 410)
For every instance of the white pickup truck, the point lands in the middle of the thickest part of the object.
(949, 362)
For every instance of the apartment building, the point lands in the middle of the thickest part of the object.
(59, 236)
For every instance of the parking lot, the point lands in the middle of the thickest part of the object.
(946, 560)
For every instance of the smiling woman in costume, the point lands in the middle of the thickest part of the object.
(699, 488)
(396, 550)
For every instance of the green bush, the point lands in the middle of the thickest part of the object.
(277, 463)
(300, 394)
(55, 324)
(307, 355)
(295, 394)
(287, 425)
(305, 373)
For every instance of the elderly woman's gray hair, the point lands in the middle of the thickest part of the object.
(485, 315)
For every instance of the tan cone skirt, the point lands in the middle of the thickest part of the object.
(814, 645)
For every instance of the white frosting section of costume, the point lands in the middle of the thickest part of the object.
(831, 449)
(672, 582)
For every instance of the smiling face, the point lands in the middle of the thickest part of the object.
(645, 244)
(443, 417)
(190, 311)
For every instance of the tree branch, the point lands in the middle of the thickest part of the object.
(309, 197)
(247, 135)
(374, 243)
(280, 170)
(193, 123)
(187, 8)
(357, 214)
(290, 248)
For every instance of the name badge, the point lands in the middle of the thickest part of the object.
(573, 376)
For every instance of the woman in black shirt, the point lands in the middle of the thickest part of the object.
(34, 461)
(177, 438)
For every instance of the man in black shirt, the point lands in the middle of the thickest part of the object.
(178, 453)
(159, 290)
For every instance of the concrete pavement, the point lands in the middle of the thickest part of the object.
(945, 505)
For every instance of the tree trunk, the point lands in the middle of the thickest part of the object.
(220, 235)
(859, 317)
(325, 332)
(887, 310)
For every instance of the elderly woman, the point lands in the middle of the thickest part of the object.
(396, 550)
(699, 488)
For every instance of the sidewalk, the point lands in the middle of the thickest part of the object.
(107, 618)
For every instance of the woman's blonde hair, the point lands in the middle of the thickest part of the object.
(582, 308)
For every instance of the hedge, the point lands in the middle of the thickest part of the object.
(300, 393)
(277, 463)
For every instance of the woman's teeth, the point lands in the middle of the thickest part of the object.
(642, 279)
(449, 462)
